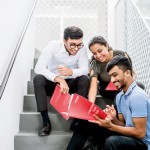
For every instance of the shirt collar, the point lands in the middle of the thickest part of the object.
(129, 89)
(64, 48)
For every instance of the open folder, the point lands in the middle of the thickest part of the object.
(111, 87)
(75, 106)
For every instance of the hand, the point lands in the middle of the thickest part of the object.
(110, 111)
(64, 87)
(64, 71)
(63, 84)
(106, 123)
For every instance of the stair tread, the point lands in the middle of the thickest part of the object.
(34, 95)
(35, 113)
(61, 133)
(30, 95)
(31, 141)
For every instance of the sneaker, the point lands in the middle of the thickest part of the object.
(45, 131)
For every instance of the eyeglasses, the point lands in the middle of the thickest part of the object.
(73, 45)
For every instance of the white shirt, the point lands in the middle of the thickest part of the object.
(55, 54)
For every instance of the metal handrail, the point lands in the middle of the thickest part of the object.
(16, 50)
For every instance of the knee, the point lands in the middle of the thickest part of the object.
(85, 80)
(38, 79)
(111, 143)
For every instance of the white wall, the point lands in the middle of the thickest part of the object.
(135, 1)
(111, 22)
(13, 16)
(53, 18)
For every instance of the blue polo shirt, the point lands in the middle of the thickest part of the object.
(134, 104)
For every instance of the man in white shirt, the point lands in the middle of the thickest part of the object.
(65, 64)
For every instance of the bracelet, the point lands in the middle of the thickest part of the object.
(92, 76)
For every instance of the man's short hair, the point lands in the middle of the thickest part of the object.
(121, 61)
(73, 32)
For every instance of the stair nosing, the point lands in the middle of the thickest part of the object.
(25, 133)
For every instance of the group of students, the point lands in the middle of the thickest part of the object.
(127, 126)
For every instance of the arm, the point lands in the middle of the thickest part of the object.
(64, 71)
(42, 68)
(112, 115)
(138, 110)
(63, 84)
(93, 88)
(42, 64)
(80, 67)
(139, 117)
(137, 131)
(119, 121)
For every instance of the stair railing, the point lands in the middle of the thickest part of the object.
(16, 50)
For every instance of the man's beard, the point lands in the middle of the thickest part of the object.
(122, 85)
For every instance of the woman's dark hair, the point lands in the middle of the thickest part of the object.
(99, 40)
(73, 32)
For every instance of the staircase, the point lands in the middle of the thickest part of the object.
(31, 122)
(144, 6)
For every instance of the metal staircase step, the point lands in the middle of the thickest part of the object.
(31, 141)
(30, 104)
(30, 88)
(32, 122)
(37, 53)
(35, 61)
(32, 74)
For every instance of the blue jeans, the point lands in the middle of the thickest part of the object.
(118, 142)
(104, 138)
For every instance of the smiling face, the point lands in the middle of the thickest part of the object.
(119, 77)
(73, 45)
(100, 52)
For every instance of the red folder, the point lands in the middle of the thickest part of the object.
(111, 87)
(60, 102)
(75, 106)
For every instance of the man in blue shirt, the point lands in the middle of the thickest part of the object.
(64, 63)
(131, 129)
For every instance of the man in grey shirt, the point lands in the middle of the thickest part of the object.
(64, 63)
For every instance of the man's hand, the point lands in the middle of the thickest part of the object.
(106, 123)
(110, 111)
(63, 84)
(64, 71)
(112, 115)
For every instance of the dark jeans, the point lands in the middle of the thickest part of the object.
(44, 88)
(105, 139)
